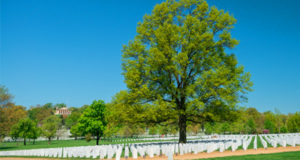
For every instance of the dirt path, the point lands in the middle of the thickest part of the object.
(237, 153)
(200, 155)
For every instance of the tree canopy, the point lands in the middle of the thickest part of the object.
(5, 97)
(50, 126)
(177, 70)
(93, 121)
(39, 113)
(25, 128)
(10, 113)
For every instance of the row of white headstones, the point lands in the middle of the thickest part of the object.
(153, 139)
(135, 150)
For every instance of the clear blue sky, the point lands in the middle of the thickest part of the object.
(69, 51)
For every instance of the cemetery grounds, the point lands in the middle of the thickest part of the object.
(263, 152)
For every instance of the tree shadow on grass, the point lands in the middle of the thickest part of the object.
(7, 147)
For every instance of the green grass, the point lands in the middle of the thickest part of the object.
(44, 144)
(7, 146)
(259, 144)
(268, 144)
(251, 146)
(273, 156)
(69, 143)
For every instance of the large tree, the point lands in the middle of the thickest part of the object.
(10, 113)
(177, 69)
(293, 122)
(5, 101)
(93, 120)
(39, 113)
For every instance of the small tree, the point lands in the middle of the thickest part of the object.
(194, 128)
(152, 130)
(24, 129)
(72, 119)
(75, 131)
(93, 120)
(50, 126)
(209, 128)
(225, 127)
(36, 132)
(293, 122)
(14, 132)
(251, 126)
(283, 129)
(270, 126)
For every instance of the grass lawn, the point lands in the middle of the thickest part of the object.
(68, 143)
(273, 156)
(6, 146)
(44, 144)
(251, 145)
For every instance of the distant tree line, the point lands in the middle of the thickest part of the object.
(29, 124)
(250, 121)
(105, 120)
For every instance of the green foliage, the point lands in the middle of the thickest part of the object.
(293, 123)
(88, 137)
(25, 128)
(50, 126)
(93, 119)
(14, 132)
(270, 126)
(39, 113)
(36, 132)
(5, 97)
(130, 130)
(209, 128)
(167, 129)
(176, 68)
(75, 131)
(251, 126)
(60, 105)
(72, 119)
(10, 113)
(225, 127)
(283, 129)
(153, 130)
(193, 128)
(252, 113)
(48, 106)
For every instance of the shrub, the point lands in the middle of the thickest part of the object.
(88, 137)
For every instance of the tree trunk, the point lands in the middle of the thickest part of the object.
(24, 141)
(182, 128)
(49, 140)
(33, 141)
(202, 127)
(97, 140)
